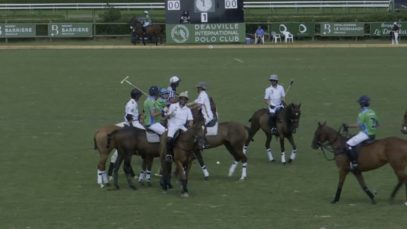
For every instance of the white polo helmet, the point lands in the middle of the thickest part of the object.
(184, 94)
(273, 77)
(174, 79)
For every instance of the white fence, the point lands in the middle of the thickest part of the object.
(161, 5)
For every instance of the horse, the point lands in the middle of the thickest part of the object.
(287, 123)
(392, 150)
(404, 125)
(100, 144)
(154, 32)
(129, 141)
(183, 150)
(233, 136)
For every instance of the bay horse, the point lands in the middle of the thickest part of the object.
(100, 144)
(154, 32)
(184, 153)
(233, 136)
(404, 125)
(392, 150)
(286, 125)
(129, 141)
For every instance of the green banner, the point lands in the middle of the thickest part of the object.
(17, 30)
(384, 28)
(342, 29)
(60, 30)
(298, 29)
(205, 33)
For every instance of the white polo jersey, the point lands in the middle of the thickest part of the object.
(203, 99)
(178, 116)
(274, 95)
(132, 109)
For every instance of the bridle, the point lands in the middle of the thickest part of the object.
(328, 145)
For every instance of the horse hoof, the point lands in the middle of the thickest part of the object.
(373, 201)
(206, 178)
(289, 161)
(101, 185)
(149, 184)
(184, 195)
(334, 201)
(272, 160)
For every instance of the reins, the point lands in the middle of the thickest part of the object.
(328, 146)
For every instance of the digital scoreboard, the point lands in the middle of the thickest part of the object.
(205, 21)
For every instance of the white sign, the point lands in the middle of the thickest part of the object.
(173, 5)
(230, 4)
(204, 17)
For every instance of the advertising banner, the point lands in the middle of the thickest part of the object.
(384, 28)
(205, 33)
(298, 29)
(60, 30)
(17, 30)
(342, 29)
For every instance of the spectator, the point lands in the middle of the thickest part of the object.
(259, 35)
(185, 18)
(395, 34)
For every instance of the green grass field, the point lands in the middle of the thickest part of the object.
(54, 100)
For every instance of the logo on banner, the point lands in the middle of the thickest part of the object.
(179, 34)
(54, 30)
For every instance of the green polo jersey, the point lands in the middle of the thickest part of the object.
(368, 121)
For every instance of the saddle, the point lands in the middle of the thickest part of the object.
(152, 137)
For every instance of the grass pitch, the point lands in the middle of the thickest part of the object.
(53, 100)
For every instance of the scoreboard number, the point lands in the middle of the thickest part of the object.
(173, 5)
(204, 17)
(230, 4)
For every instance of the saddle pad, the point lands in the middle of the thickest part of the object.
(212, 130)
(152, 137)
(120, 124)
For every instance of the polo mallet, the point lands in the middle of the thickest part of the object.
(125, 80)
(289, 86)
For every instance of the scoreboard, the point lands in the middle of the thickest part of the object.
(209, 21)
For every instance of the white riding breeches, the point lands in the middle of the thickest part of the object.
(357, 139)
(157, 128)
(172, 129)
(273, 110)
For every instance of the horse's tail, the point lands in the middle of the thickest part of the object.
(95, 146)
(109, 138)
(248, 132)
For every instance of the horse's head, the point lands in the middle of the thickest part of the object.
(199, 128)
(294, 114)
(320, 135)
(404, 125)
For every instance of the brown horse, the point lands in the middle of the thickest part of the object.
(404, 125)
(287, 123)
(233, 136)
(129, 141)
(100, 144)
(184, 153)
(154, 32)
(390, 150)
